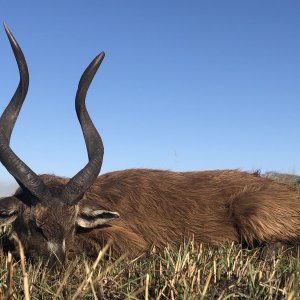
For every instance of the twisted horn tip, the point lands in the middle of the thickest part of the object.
(10, 36)
(98, 59)
(6, 28)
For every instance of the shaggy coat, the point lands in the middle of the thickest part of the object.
(162, 208)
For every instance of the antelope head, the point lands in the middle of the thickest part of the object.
(45, 217)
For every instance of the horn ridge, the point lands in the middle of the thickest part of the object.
(77, 185)
(14, 165)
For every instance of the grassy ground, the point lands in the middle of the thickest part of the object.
(192, 272)
(189, 273)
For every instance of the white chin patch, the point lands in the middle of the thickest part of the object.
(55, 247)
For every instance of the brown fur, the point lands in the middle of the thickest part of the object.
(162, 207)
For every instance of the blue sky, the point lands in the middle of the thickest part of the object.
(185, 85)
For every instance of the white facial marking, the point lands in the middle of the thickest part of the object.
(53, 247)
(64, 246)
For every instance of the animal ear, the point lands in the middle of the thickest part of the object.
(9, 208)
(91, 218)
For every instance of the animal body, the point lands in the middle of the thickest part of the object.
(53, 216)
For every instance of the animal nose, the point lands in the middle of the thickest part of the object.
(56, 260)
(54, 265)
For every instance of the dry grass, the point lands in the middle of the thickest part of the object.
(192, 272)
